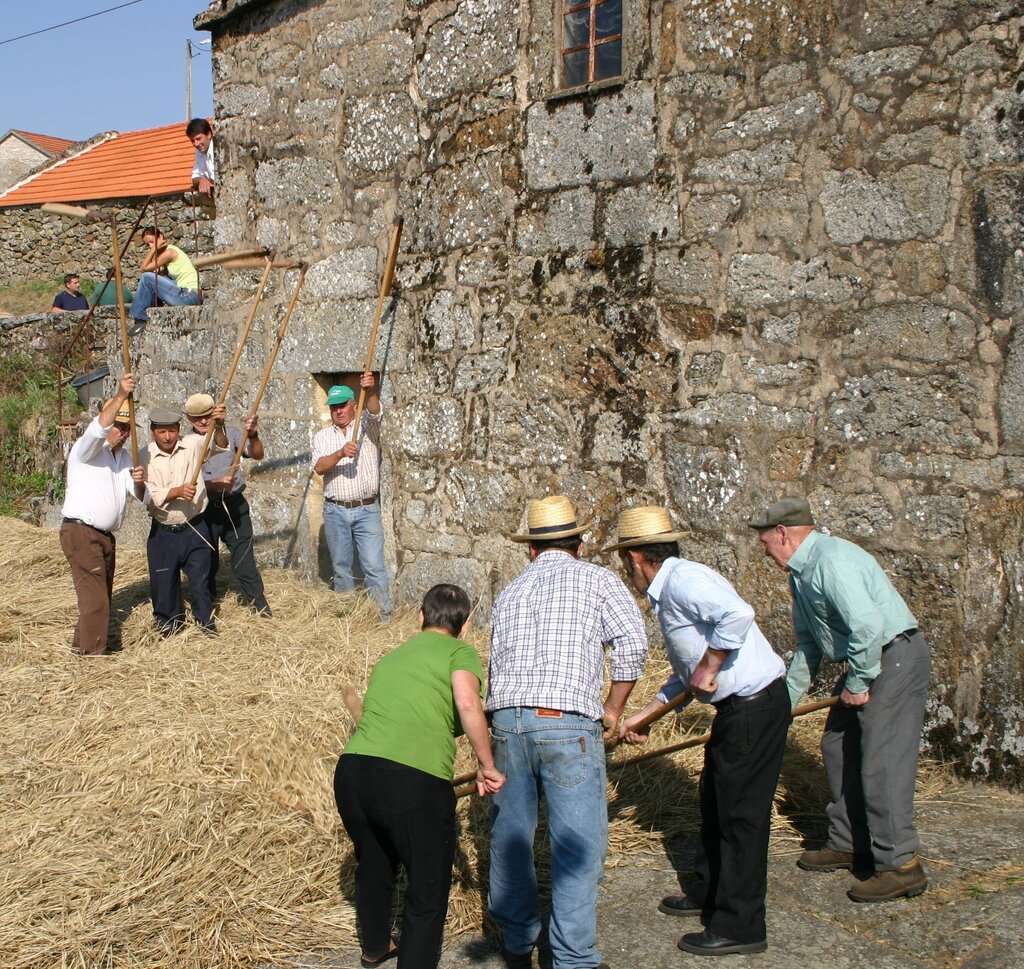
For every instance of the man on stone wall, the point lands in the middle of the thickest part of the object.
(845, 608)
(100, 478)
(549, 630)
(227, 512)
(69, 298)
(351, 473)
(204, 171)
(179, 538)
(718, 653)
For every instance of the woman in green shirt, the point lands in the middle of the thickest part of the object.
(393, 782)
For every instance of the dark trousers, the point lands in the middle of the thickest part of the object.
(227, 518)
(398, 815)
(737, 786)
(91, 555)
(169, 552)
(870, 755)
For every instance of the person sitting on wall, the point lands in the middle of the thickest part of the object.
(181, 289)
(69, 298)
(204, 171)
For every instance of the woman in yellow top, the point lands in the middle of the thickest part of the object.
(180, 288)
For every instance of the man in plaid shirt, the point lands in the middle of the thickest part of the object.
(549, 630)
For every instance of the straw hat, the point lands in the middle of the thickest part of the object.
(646, 525)
(552, 517)
(123, 415)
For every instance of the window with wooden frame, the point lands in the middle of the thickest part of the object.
(591, 41)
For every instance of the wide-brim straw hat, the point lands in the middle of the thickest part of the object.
(552, 517)
(647, 525)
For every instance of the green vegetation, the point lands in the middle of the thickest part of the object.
(28, 415)
(36, 295)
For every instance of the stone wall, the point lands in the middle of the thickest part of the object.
(39, 245)
(782, 256)
(17, 159)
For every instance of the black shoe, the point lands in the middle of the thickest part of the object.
(679, 905)
(706, 943)
(517, 960)
(367, 962)
(137, 327)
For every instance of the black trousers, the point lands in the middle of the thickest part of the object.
(227, 518)
(737, 786)
(398, 815)
(169, 552)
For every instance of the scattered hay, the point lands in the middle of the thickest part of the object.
(172, 806)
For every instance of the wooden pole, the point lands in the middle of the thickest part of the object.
(123, 317)
(278, 340)
(385, 290)
(231, 372)
(216, 258)
(800, 711)
(654, 715)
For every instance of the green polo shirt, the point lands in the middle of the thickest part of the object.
(844, 608)
(409, 713)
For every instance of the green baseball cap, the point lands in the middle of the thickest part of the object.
(339, 395)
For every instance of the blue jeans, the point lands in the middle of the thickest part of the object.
(360, 529)
(169, 294)
(563, 757)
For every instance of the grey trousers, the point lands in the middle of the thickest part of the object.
(870, 755)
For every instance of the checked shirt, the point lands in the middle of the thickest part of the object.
(549, 629)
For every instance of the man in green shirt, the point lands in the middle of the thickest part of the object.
(846, 609)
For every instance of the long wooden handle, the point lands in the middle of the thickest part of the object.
(256, 262)
(278, 340)
(231, 371)
(800, 711)
(654, 715)
(216, 258)
(385, 289)
(75, 211)
(125, 355)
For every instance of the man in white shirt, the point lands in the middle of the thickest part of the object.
(351, 473)
(720, 655)
(204, 170)
(100, 478)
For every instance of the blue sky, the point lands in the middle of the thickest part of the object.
(123, 70)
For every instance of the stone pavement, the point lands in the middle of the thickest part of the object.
(972, 916)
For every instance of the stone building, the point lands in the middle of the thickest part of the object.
(710, 253)
(21, 151)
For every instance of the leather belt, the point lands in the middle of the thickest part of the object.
(176, 528)
(905, 635)
(358, 503)
(733, 698)
(78, 521)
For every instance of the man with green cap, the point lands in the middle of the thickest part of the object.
(350, 466)
(846, 609)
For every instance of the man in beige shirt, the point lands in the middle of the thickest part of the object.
(178, 537)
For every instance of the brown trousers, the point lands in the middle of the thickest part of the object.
(90, 554)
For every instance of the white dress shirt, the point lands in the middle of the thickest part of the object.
(697, 609)
(99, 480)
(205, 166)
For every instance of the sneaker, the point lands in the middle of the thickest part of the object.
(826, 859)
(137, 327)
(679, 905)
(884, 886)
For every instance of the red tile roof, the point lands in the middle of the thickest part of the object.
(51, 144)
(136, 164)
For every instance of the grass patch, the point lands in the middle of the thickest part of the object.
(36, 295)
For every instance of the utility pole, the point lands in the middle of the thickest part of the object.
(188, 78)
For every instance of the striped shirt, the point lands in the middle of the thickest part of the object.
(549, 629)
(351, 479)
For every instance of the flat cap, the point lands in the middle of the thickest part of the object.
(788, 511)
(199, 405)
(161, 415)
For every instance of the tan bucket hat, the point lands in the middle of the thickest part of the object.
(646, 525)
(199, 405)
(552, 517)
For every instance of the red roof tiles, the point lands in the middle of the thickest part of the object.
(156, 161)
(51, 144)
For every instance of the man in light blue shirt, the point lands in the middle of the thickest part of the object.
(846, 609)
(718, 653)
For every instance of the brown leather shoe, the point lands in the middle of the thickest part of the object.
(826, 859)
(883, 886)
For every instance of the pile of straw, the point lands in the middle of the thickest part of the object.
(172, 805)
